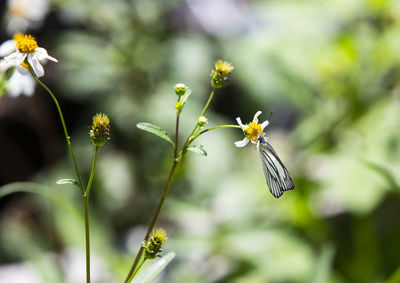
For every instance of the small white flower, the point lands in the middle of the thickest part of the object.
(18, 83)
(22, 14)
(26, 48)
(252, 130)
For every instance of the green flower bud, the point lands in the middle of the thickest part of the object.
(220, 73)
(179, 106)
(153, 245)
(202, 120)
(100, 131)
(180, 89)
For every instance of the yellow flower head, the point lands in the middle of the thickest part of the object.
(220, 73)
(153, 245)
(25, 43)
(100, 131)
(223, 68)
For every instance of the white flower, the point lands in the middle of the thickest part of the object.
(18, 83)
(26, 48)
(22, 14)
(252, 130)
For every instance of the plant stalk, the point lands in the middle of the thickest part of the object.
(67, 137)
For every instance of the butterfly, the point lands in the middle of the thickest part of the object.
(276, 174)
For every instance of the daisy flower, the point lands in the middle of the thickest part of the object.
(28, 50)
(252, 130)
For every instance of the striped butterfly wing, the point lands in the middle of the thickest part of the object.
(277, 176)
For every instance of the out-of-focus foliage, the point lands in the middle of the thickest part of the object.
(329, 70)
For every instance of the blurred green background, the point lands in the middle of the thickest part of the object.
(329, 71)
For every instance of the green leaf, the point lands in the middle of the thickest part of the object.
(199, 149)
(156, 130)
(67, 182)
(51, 194)
(185, 97)
(151, 273)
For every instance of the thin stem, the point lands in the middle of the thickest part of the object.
(87, 238)
(176, 135)
(86, 203)
(190, 138)
(67, 137)
(153, 221)
(138, 266)
(208, 102)
(215, 128)
(89, 186)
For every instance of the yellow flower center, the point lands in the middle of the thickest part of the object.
(26, 43)
(253, 131)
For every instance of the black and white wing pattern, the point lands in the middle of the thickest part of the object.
(277, 176)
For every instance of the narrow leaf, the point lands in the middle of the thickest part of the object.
(156, 130)
(199, 149)
(151, 273)
(67, 182)
(185, 97)
(54, 195)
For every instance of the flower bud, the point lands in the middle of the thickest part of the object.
(180, 89)
(100, 131)
(153, 245)
(220, 73)
(179, 106)
(202, 120)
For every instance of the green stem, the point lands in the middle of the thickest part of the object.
(87, 238)
(139, 266)
(176, 135)
(67, 137)
(208, 102)
(89, 186)
(215, 128)
(86, 204)
(153, 221)
(190, 138)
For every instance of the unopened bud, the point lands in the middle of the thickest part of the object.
(153, 245)
(180, 89)
(202, 120)
(100, 131)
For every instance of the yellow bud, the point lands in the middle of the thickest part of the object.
(153, 245)
(220, 73)
(100, 131)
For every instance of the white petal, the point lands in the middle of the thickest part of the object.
(37, 68)
(22, 70)
(21, 84)
(264, 124)
(242, 143)
(41, 54)
(6, 64)
(19, 57)
(8, 47)
(255, 119)
(239, 121)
